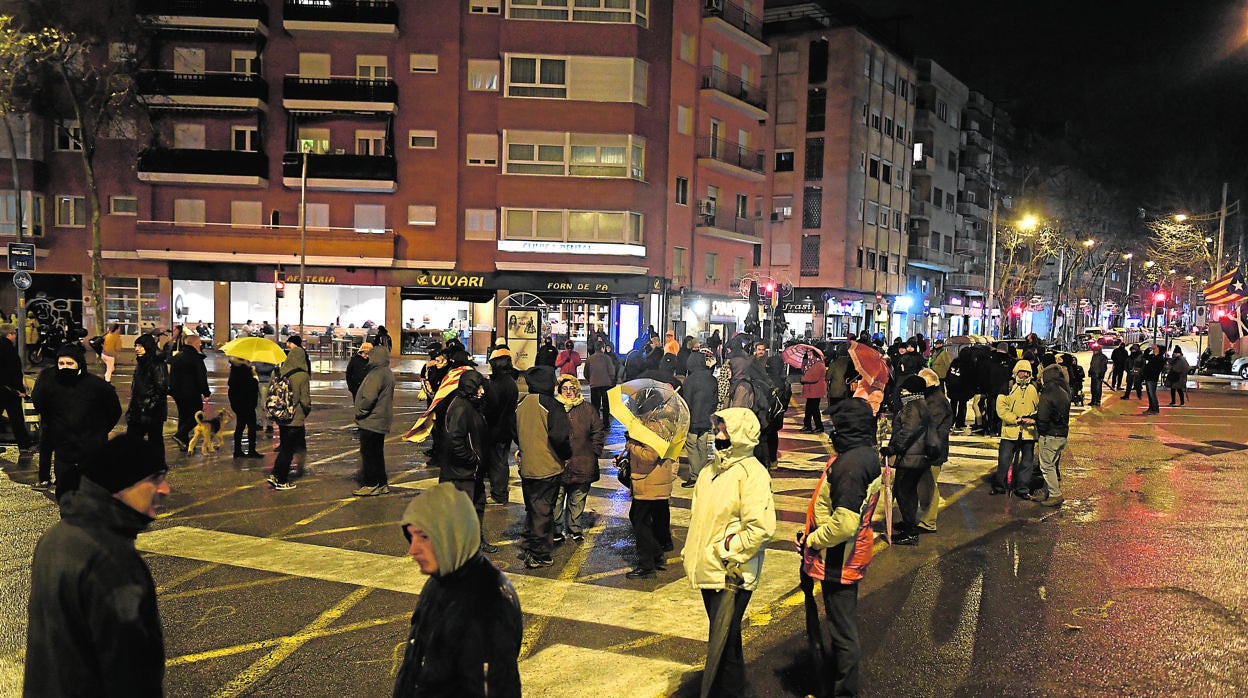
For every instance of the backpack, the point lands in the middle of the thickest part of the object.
(778, 401)
(280, 404)
(746, 392)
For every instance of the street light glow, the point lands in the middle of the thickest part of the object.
(1149, 264)
(1128, 255)
(1089, 243)
(1028, 223)
(1180, 217)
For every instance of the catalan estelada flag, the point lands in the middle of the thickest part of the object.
(425, 422)
(1228, 289)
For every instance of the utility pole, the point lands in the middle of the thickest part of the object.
(1221, 232)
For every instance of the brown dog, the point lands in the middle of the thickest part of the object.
(207, 432)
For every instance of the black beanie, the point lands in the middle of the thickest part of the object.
(74, 351)
(915, 385)
(125, 460)
(295, 340)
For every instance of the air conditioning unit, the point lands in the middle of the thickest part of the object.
(706, 207)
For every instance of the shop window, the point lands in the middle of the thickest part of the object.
(134, 303)
(479, 224)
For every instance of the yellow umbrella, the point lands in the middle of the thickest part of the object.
(652, 413)
(255, 349)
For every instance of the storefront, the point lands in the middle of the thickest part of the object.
(799, 317)
(842, 317)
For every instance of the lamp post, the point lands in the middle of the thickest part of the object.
(303, 232)
(1190, 315)
(1126, 297)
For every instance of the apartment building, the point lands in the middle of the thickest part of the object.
(447, 164)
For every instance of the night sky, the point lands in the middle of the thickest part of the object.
(1155, 94)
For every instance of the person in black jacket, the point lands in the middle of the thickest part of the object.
(94, 626)
(78, 409)
(13, 386)
(1052, 427)
(149, 391)
(188, 385)
(1121, 360)
(1097, 367)
(467, 628)
(547, 353)
(701, 393)
(464, 442)
(1150, 374)
(908, 444)
(502, 394)
(357, 368)
(1134, 367)
(244, 393)
(994, 371)
(941, 414)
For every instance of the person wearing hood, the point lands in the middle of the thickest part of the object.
(909, 444)
(374, 408)
(1176, 377)
(568, 360)
(1121, 359)
(243, 390)
(732, 520)
(601, 369)
(1017, 411)
(467, 627)
(664, 372)
(941, 413)
(464, 444)
(839, 529)
(357, 368)
(293, 444)
(78, 410)
(188, 385)
(93, 622)
(1052, 429)
(544, 434)
(501, 396)
(587, 438)
(701, 393)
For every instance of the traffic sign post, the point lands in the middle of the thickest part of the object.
(21, 256)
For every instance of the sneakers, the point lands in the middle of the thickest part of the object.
(372, 490)
(280, 485)
(578, 536)
(558, 538)
(533, 562)
(640, 573)
(488, 548)
(689, 483)
(906, 539)
(42, 486)
(1054, 501)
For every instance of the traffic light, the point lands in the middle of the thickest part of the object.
(1160, 297)
(279, 283)
(1017, 310)
(770, 293)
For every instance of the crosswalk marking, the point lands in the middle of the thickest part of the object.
(613, 674)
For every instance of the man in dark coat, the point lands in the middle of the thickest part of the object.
(464, 441)
(13, 386)
(149, 391)
(93, 623)
(78, 409)
(994, 380)
(501, 397)
(601, 369)
(374, 410)
(1121, 359)
(1134, 366)
(1052, 427)
(701, 393)
(544, 434)
(1150, 374)
(908, 445)
(243, 391)
(1096, 373)
(547, 353)
(941, 414)
(357, 368)
(188, 385)
(467, 628)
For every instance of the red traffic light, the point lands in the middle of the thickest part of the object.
(279, 285)
(1160, 296)
(1016, 310)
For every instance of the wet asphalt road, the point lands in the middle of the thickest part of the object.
(1134, 588)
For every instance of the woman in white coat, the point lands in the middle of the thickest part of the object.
(732, 520)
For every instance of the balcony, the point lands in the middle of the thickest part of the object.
(732, 91)
(730, 158)
(209, 16)
(195, 166)
(726, 226)
(966, 283)
(304, 94)
(340, 172)
(219, 91)
(928, 258)
(256, 244)
(353, 16)
(735, 24)
(972, 209)
(920, 210)
(971, 247)
(977, 140)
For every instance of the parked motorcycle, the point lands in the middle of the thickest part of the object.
(51, 338)
(1210, 364)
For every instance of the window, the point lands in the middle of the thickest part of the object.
(682, 191)
(483, 76)
(244, 62)
(314, 65)
(368, 142)
(953, 160)
(422, 139)
(246, 214)
(873, 212)
(814, 158)
(188, 211)
(485, 7)
(949, 202)
(816, 109)
(866, 69)
(743, 206)
(901, 133)
(537, 77)
(886, 172)
(784, 161)
(372, 67)
(817, 69)
(68, 135)
(688, 48)
(949, 243)
(873, 167)
(738, 268)
(71, 211)
(898, 177)
(871, 260)
(938, 196)
(314, 140)
(888, 126)
(483, 149)
(861, 207)
(712, 266)
(561, 225)
(189, 136)
(123, 205)
(875, 120)
(812, 208)
(188, 60)
(370, 218)
(423, 62)
(884, 214)
(605, 11)
(679, 256)
(884, 263)
(574, 154)
(896, 220)
(903, 88)
(859, 261)
(317, 216)
(479, 224)
(942, 110)
(684, 120)
(422, 215)
(781, 208)
(132, 302)
(245, 138)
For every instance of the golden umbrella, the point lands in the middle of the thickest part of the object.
(255, 350)
(653, 413)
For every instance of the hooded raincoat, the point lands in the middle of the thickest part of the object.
(374, 399)
(1021, 401)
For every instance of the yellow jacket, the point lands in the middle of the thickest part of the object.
(1020, 402)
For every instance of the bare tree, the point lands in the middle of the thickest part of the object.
(1185, 246)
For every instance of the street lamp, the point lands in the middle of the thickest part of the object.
(303, 232)
(1126, 297)
(1191, 307)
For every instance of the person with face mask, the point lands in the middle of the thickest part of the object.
(149, 407)
(78, 410)
(467, 628)
(1017, 411)
(732, 519)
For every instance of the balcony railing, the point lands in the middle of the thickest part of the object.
(727, 220)
(349, 93)
(920, 209)
(203, 163)
(970, 246)
(734, 15)
(379, 168)
(237, 86)
(178, 12)
(966, 282)
(978, 140)
(970, 208)
(379, 12)
(730, 153)
(924, 256)
(722, 81)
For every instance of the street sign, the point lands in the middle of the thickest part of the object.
(1155, 287)
(21, 256)
(22, 280)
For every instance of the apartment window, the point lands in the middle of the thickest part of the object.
(861, 207)
(884, 214)
(953, 160)
(873, 167)
(903, 88)
(865, 114)
(942, 110)
(886, 172)
(574, 154)
(682, 191)
(71, 211)
(873, 212)
(858, 263)
(604, 11)
(188, 60)
(372, 67)
(871, 260)
(189, 136)
(483, 149)
(316, 216)
(743, 206)
(314, 140)
(244, 62)
(898, 177)
(422, 139)
(809, 259)
(679, 257)
(246, 214)
(483, 76)
(480, 224)
(245, 138)
(816, 109)
(862, 161)
(688, 48)
(812, 208)
(948, 243)
(68, 135)
(738, 268)
(935, 241)
(938, 196)
(122, 205)
(188, 211)
(712, 266)
(422, 215)
(684, 120)
(949, 202)
(875, 120)
(784, 160)
(423, 62)
(485, 7)
(888, 126)
(368, 142)
(537, 77)
(561, 225)
(781, 208)
(814, 158)
(896, 220)
(901, 133)
(884, 263)
(866, 69)
(370, 218)
(314, 65)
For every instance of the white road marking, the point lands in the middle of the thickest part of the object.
(546, 673)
